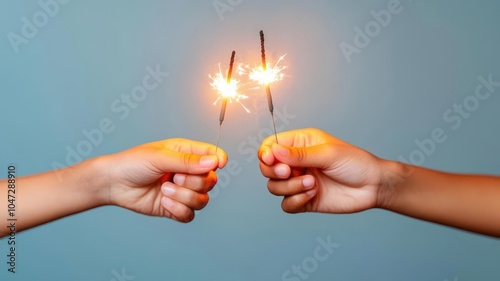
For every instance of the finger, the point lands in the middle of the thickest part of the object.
(185, 196)
(278, 171)
(199, 183)
(222, 158)
(317, 156)
(166, 213)
(265, 155)
(169, 161)
(196, 147)
(179, 212)
(296, 138)
(286, 138)
(297, 203)
(291, 186)
(300, 137)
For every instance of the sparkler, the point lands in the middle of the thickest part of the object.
(265, 77)
(226, 91)
(228, 82)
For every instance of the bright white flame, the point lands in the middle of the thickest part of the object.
(227, 90)
(270, 75)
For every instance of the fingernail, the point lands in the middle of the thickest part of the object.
(281, 150)
(179, 179)
(281, 170)
(167, 202)
(311, 192)
(167, 190)
(308, 182)
(208, 161)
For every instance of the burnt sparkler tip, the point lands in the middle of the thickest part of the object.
(262, 40)
(230, 71)
(262, 50)
(232, 58)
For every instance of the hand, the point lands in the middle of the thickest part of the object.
(169, 178)
(316, 172)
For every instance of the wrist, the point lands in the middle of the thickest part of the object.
(94, 182)
(393, 176)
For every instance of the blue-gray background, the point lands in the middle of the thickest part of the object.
(394, 91)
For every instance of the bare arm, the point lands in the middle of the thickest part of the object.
(316, 172)
(470, 202)
(44, 197)
(169, 178)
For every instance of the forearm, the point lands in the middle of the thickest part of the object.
(469, 202)
(46, 197)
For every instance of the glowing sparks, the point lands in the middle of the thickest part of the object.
(230, 90)
(270, 74)
(264, 77)
(267, 77)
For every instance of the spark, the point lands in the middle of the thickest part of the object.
(265, 75)
(269, 75)
(230, 91)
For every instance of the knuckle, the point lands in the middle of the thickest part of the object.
(300, 155)
(286, 207)
(262, 167)
(186, 159)
(265, 170)
(210, 182)
(271, 186)
(291, 204)
(201, 201)
(186, 216)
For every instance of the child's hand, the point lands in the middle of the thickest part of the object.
(167, 178)
(316, 172)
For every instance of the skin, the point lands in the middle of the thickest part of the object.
(168, 178)
(315, 172)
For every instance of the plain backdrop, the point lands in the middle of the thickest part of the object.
(392, 93)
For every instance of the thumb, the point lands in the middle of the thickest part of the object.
(180, 162)
(317, 156)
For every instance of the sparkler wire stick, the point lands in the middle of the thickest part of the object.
(268, 88)
(224, 99)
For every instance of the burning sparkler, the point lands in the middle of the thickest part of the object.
(231, 91)
(227, 90)
(227, 87)
(265, 75)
